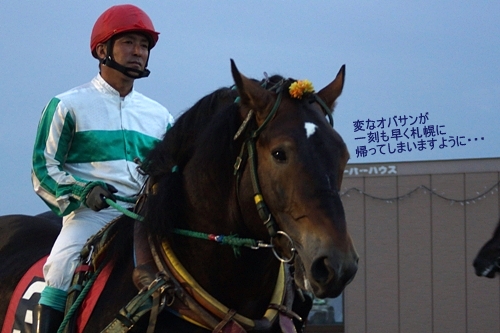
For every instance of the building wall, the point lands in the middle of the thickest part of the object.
(417, 228)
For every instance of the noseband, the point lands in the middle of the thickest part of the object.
(250, 145)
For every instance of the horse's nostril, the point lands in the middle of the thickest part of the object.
(320, 271)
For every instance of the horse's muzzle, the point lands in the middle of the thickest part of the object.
(330, 277)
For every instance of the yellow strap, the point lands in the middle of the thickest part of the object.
(277, 297)
(192, 321)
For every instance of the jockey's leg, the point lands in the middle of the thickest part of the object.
(64, 257)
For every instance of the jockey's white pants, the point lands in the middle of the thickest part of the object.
(77, 228)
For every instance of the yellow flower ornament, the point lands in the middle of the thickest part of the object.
(300, 87)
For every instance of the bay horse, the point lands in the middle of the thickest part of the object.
(487, 261)
(257, 163)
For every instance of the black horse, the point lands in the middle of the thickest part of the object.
(246, 179)
(487, 261)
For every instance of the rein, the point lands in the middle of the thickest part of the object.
(231, 240)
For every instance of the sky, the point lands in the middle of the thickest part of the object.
(422, 77)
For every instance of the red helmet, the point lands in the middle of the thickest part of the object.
(122, 18)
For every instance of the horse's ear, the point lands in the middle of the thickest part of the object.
(252, 95)
(332, 91)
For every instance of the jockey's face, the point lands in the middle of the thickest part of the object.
(131, 50)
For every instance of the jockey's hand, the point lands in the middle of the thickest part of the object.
(95, 198)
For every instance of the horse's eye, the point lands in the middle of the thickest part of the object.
(279, 155)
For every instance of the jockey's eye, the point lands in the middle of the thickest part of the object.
(279, 155)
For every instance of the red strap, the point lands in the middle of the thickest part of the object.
(82, 268)
(90, 300)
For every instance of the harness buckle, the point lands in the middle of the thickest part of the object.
(237, 163)
(261, 245)
(89, 256)
(167, 289)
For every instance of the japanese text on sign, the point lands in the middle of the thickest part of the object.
(371, 170)
(404, 133)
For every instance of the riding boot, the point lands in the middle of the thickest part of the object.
(46, 319)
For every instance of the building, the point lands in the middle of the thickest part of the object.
(417, 227)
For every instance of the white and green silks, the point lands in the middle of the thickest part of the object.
(90, 133)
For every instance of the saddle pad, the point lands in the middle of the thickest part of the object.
(19, 315)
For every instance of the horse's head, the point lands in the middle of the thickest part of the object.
(487, 261)
(301, 161)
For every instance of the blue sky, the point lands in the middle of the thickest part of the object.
(429, 66)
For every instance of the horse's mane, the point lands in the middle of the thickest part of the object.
(177, 146)
(211, 123)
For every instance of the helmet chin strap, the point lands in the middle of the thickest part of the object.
(130, 72)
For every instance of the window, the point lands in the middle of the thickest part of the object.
(326, 315)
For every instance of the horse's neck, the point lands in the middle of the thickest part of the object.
(246, 282)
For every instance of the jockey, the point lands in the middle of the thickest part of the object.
(87, 141)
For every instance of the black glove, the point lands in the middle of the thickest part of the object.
(95, 198)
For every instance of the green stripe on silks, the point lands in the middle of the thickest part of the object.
(101, 146)
(39, 161)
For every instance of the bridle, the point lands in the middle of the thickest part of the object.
(250, 144)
